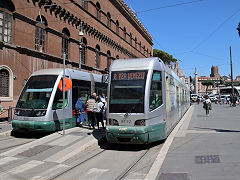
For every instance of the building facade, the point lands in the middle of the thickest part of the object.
(35, 34)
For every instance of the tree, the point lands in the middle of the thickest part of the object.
(207, 83)
(228, 83)
(165, 57)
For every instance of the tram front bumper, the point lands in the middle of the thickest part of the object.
(33, 126)
(127, 135)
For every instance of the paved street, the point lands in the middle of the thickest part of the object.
(205, 148)
(200, 148)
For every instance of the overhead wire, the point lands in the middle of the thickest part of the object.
(215, 30)
(168, 6)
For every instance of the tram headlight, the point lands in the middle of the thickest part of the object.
(17, 112)
(40, 112)
(113, 122)
(140, 122)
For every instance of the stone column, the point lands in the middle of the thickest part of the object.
(196, 81)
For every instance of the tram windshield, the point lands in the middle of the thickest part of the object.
(37, 92)
(127, 91)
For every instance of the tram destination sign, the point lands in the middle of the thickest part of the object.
(129, 75)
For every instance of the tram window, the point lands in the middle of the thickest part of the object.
(156, 91)
(58, 100)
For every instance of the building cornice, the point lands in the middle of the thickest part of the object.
(129, 15)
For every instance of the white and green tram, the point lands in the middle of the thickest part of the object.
(146, 100)
(40, 104)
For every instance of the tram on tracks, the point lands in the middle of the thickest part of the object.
(40, 104)
(146, 100)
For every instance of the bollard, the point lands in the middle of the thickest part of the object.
(10, 114)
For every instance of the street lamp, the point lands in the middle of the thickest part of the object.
(80, 44)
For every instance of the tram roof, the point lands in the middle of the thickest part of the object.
(141, 64)
(137, 64)
(74, 74)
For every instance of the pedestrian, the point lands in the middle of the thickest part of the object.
(94, 95)
(207, 104)
(231, 100)
(79, 108)
(234, 100)
(91, 115)
(103, 97)
(99, 106)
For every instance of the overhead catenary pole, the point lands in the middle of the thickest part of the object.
(231, 71)
(64, 60)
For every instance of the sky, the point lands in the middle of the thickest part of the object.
(198, 33)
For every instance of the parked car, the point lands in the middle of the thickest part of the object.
(213, 98)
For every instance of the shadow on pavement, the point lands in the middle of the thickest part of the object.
(218, 130)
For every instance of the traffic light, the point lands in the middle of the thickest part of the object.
(238, 28)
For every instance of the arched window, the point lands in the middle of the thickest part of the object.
(97, 56)
(124, 33)
(65, 42)
(117, 27)
(108, 20)
(4, 83)
(98, 11)
(40, 33)
(108, 59)
(83, 51)
(6, 8)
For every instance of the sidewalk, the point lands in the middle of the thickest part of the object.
(205, 148)
(48, 156)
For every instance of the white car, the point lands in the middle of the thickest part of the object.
(213, 98)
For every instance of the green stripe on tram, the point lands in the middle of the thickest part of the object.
(43, 126)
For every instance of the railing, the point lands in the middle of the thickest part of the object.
(9, 112)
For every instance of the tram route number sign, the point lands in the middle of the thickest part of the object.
(135, 75)
(68, 84)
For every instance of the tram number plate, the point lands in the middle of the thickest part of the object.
(126, 121)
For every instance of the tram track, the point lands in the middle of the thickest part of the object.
(132, 165)
(10, 147)
(76, 165)
(135, 162)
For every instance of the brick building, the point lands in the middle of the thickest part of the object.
(34, 35)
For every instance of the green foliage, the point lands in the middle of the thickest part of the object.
(227, 83)
(165, 57)
(208, 83)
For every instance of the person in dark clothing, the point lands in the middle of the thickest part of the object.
(81, 115)
(234, 100)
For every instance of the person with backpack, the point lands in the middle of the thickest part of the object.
(80, 112)
(90, 111)
(99, 106)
